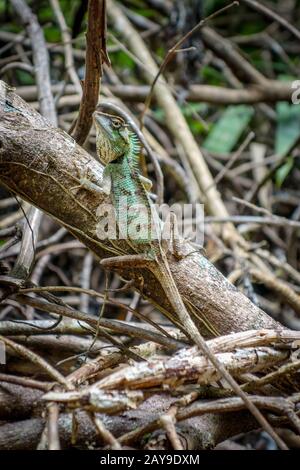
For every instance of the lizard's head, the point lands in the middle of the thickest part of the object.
(112, 136)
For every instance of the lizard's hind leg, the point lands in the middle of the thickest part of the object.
(171, 241)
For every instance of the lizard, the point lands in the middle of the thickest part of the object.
(118, 149)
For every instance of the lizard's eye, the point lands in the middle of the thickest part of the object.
(116, 124)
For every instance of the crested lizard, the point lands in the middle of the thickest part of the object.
(118, 149)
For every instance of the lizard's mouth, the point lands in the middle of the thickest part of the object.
(98, 119)
(103, 123)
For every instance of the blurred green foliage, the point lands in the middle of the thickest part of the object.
(283, 172)
(227, 131)
(288, 127)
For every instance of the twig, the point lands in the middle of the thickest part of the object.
(272, 376)
(250, 219)
(104, 361)
(278, 286)
(66, 38)
(171, 52)
(224, 49)
(278, 405)
(234, 157)
(16, 65)
(52, 426)
(95, 56)
(110, 324)
(106, 435)
(26, 256)
(281, 220)
(271, 92)
(273, 16)
(26, 382)
(85, 281)
(33, 357)
(40, 58)
(93, 293)
(168, 423)
(188, 366)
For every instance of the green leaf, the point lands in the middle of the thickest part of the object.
(24, 78)
(227, 131)
(52, 34)
(122, 60)
(190, 109)
(211, 75)
(288, 127)
(283, 171)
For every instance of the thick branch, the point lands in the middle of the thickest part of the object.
(272, 92)
(206, 431)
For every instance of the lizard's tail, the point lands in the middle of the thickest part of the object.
(166, 280)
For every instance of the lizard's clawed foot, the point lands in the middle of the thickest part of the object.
(128, 261)
(126, 287)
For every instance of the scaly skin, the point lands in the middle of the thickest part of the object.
(117, 148)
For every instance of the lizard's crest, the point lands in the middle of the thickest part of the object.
(113, 138)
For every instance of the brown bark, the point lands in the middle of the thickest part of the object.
(17, 402)
(200, 432)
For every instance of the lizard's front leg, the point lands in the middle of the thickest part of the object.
(85, 182)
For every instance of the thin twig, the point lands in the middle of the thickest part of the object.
(106, 435)
(95, 56)
(113, 325)
(175, 49)
(273, 16)
(52, 426)
(281, 220)
(36, 359)
(66, 39)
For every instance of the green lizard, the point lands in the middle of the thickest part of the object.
(118, 149)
